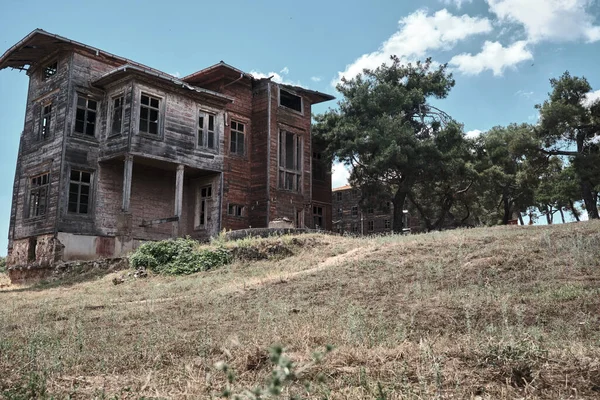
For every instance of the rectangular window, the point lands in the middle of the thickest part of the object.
(318, 170)
(204, 203)
(79, 192)
(370, 210)
(237, 138)
(85, 117)
(354, 227)
(355, 211)
(339, 196)
(290, 100)
(45, 122)
(50, 70)
(149, 114)
(290, 161)
(340, 212)
(38, 195)
(371, 226)
(318, 217)
(117, 115)
(235, 210)
(206, 131)
(387, 224)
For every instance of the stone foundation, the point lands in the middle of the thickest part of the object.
(36, 272)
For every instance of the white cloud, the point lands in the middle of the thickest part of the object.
(591, 98)
(339, 175)
(553, 20)
(315, 78)
(473, 134)
(276, 77)
(523, 93)
(457, 3)
(494, 57)
(419, 34)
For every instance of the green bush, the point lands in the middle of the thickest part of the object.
(178, 257)
(2, 264)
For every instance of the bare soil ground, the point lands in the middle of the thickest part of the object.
(507, 312)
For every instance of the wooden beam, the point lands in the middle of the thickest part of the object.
(127, 173)
(178, 198)
(159, 221)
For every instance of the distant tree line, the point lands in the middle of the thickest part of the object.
(403, 149)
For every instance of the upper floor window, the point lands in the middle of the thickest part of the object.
(149, 114)
(117, 115)
(237, 138)
(339, 196)
(50, 70)
(85, 117)
(79, 192)
(206, 130)
(290, 161)
(45, 121)
(318, 169)
(38, 195)
(355, 211)
(290, 100)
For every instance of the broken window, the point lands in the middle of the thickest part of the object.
(206, 131)
(50, 70)
(236, 210)
(318, 169)
(339, 196)
(38, 195)
(371, 226)
(290, 100)
(237, 138)
(79, 192)
(318, 217)
(290, 161)
(85, 117)
(203, 206)
(355, 211)
(149, 114)
(117, 115)
(45, 122)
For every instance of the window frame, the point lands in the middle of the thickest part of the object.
(44, 187)
(243, 132)
(41, 135)
(297, 168)
(238, 210)
(371, 226)
(159, 110)
(339, 196)
(301, 111)
(199, 221)
(387, 224)
(318, 214)
(87, 109)
(111, 121)
(318, 168)
(90, 195)
(354, 211)
(47, 77)
(206, 131)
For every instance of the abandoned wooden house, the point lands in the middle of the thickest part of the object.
(114, 153)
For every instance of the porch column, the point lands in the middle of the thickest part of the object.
(127, 172)
(178, 198)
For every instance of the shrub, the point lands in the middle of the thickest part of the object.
(178, 257)
(2, 264)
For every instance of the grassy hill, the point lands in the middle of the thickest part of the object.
(504, 312)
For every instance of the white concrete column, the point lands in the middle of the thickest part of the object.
(178, 198)
(127, 174)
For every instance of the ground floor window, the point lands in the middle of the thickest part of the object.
(371, 226)
(203, 206)
(38, 195)
(235, 210)
(318, 217)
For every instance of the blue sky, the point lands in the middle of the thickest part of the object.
(502, 52)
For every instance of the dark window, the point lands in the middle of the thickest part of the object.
(117, 115)
(149, 114)
(206, 131)
(370, 210)
(318, 170)
(237, 138)
(45, 123)
(371, 226)
(79, 192)
(205, 198)
(290, 100)
(50, 70)
(38, 195)
(318, 217)
(31, 257)
(340, 212)
(236, 210)
(387, 224)
(339, 196)
(355, 228)
(290, 161)
(85, 118)
(354, 211)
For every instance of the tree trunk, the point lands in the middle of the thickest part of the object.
(507, 215)
(521, 219)
(562, 215)
(589, 200)
(548, 216)
(398, 201)
(574, 210)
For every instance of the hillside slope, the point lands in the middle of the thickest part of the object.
(483, 313)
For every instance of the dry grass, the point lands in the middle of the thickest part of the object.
(505, 312)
